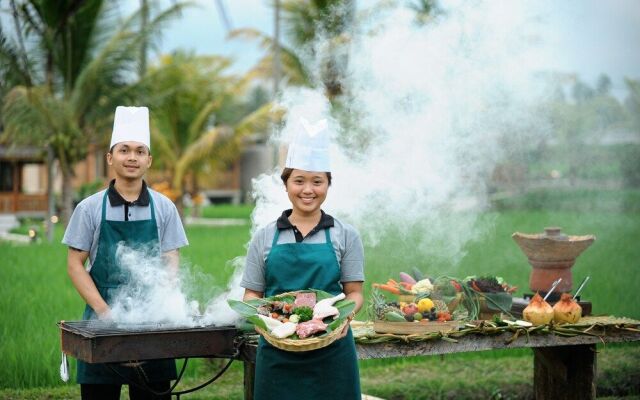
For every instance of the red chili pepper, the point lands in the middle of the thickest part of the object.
(456, 285)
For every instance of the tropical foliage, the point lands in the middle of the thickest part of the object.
(201, 115)
(73, 62)
(316, 34)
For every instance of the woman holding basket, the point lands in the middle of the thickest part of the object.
(306, 248)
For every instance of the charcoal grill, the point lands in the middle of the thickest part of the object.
(96, 341)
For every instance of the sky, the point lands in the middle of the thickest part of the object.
(588, 37)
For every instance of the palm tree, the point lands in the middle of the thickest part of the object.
(198, 119)
(318, 31)
(77, 63)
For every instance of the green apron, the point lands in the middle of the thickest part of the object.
(108, 277)
(330, 372)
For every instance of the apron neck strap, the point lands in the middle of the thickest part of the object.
(104, 205)
(326, 235)
(153, 209)
(275, 238)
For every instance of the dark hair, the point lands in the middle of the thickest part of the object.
(286, 173)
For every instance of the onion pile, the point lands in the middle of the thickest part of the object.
(567, 310)
(538, 312)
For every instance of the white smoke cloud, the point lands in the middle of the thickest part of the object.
(438, 103)
(157, 294)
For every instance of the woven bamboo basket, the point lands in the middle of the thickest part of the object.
(307, 344)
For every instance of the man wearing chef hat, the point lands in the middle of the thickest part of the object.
(129, 213)
(306, 248)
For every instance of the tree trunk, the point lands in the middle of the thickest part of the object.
(67, 197)
(180, 204)
(196, 205)
(51, 200)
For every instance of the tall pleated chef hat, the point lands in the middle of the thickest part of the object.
(131, 124)
(309, 150)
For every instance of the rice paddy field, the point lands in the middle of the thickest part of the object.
(36, 293)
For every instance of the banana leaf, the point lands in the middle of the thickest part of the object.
(500, 301)
(255, 320)
(243, 308)
(249, 308)
(345, 307)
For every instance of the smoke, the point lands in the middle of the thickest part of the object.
(158, 294)
(433, 108)
(154, 292)
(427, 114)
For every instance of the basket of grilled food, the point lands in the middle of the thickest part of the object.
(300, 320)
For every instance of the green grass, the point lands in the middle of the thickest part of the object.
(36, 293)
(573, 200)
(227, 211)
(459, 376)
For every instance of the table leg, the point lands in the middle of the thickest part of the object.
(249, 376)
(564, 372)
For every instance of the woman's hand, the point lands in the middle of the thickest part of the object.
(353, 291)
(252, 294)
(346, 327)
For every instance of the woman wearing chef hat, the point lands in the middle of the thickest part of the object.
(129, 213)
(306, 248)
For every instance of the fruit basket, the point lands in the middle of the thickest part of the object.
(297, 321)
(421, 307)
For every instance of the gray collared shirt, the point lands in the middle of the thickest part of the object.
(344, 238)
(83, 231)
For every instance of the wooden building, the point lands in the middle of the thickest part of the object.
(23, 181)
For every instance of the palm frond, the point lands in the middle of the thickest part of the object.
(23, 123)
(162, 148)
(260, 121)
(198, 151)
(116, 62)
(198, 124)
(264, 41)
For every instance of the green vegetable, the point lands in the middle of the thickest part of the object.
(305, 313)
(417, 274)
(393, 316)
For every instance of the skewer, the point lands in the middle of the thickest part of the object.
(584, 282)
(553, 286)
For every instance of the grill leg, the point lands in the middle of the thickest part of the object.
(249, 377)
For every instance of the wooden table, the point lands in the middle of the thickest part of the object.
(564, 367)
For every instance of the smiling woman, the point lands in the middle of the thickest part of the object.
(306, 191)
(306, 249)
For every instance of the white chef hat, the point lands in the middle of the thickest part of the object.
(131, 124)
(309, 150)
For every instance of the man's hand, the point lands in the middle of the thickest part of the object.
(83, 282)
